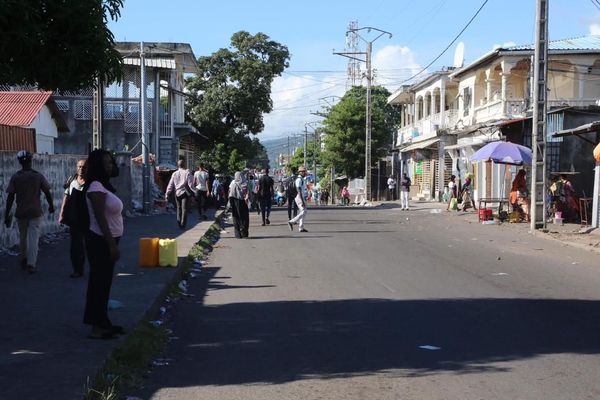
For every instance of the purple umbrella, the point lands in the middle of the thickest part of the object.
(503, 153)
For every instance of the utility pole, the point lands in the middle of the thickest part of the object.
(305, 144)
(369, 76)
(98, 113)
(145, 155)
(538, 132)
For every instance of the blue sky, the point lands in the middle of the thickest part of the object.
(312, 29)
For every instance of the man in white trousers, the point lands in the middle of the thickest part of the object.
(300, 201)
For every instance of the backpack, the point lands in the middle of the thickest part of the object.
(76, 211)
(290, 187)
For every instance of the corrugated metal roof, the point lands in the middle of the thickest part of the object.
(21, 108)
(420, 145)
(15, 138)
(582, 43)
(165, 63)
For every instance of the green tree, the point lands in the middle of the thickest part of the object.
(58, 44)
(233, 91)
(313, 152)
(344, 128)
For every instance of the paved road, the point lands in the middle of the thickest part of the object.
(342, 313)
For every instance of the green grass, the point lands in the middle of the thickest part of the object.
(131, 359)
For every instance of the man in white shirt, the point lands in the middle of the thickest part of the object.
(201, 184)
(391, 182)
(300, 201)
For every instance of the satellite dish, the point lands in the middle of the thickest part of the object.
(459, 55)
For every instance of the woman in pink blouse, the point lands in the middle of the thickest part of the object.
(106, 228)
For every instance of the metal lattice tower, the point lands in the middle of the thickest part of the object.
(352, 40)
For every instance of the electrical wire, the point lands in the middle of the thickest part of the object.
(451, 43)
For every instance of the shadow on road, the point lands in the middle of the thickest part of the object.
(276, 342)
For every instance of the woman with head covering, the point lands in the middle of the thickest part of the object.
(238, 194)
(102, 240)
(467, 195)
(519, 194)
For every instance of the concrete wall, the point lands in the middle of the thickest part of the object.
(57, 168)
(46, 131)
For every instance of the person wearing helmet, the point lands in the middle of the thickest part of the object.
(26, 186)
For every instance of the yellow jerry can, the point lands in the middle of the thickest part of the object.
(167, 252)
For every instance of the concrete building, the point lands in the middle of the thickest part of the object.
(428, 111)
(166, 65)
(490, 99)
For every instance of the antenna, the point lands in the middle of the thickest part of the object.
(459, 55)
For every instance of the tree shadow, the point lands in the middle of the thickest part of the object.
(283, 341)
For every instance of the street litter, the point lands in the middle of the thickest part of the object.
(223, 231)
(436, 211)
(114, 304)
(429, 347)
(499, 258)
(162, 311)
(159, 362)
(156, 323)
(183, 286)
(500, 274)
(193, 275)
(574, 263)
(124, 274)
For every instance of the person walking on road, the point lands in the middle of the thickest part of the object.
(300, 200)
(265, 193)
(289, 185)
(181, 184)
(102, 240)
(238, 197)
(77, 247)
(404, 192)
(26, 186)
(203, 191)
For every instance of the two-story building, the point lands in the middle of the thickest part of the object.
(166, 65)
(428, 111)
(495, 103)
(490, 99)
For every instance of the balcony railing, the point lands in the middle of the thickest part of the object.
(427, 127)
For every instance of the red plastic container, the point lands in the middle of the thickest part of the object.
(485, 214)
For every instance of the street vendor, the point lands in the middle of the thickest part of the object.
(519, 194)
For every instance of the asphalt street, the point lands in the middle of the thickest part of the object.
(386, 304)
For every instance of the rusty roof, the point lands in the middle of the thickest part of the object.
(21, 108)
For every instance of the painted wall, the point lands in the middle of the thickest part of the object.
(46, 131)
(57, 168)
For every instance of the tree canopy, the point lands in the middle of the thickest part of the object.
(58, 44)
(233, 91)
(344, 128)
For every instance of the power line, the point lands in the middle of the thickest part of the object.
(451, 43)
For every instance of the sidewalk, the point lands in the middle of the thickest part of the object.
(45, 352)
(569, 234)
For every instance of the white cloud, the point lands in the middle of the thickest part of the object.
(394, 64)
(295, 97)
(594, 29)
